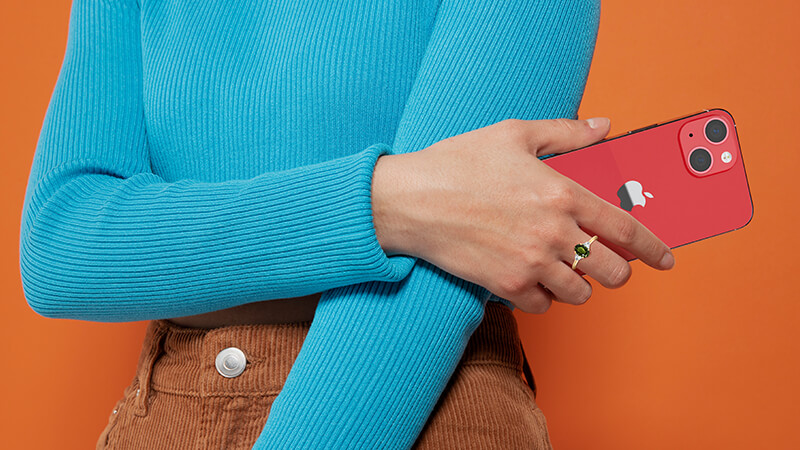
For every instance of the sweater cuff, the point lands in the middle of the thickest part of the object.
(395, 267)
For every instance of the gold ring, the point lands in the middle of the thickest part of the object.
(582, 251)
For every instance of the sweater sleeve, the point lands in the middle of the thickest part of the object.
(379, 355)
(104, 238)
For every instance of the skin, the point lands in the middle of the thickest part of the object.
(483, 207)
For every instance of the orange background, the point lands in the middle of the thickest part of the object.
(703, 356)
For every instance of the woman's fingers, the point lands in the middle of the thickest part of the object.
(537, 301)
(618, 227)
(602, 264)
(544, 137)
(566, 284)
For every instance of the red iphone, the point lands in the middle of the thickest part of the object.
(683, 179)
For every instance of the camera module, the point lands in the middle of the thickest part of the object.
(716, 131)
(700, 159)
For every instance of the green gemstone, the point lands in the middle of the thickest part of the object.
(582, 250)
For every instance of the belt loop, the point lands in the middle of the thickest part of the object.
(527, 370)
(151, 350)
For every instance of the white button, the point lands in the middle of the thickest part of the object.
(230, 362)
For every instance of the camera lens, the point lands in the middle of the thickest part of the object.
(700, 159)
(716, 131)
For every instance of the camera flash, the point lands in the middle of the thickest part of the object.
(726, 157)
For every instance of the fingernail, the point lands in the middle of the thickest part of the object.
(598, 122)
(667, 261)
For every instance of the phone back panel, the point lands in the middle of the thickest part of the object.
(677, 205)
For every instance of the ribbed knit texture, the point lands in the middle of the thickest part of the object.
(200, 155)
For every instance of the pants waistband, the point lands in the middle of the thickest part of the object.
(181, 360)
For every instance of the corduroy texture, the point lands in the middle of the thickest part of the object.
(178, 400)
(200, 155)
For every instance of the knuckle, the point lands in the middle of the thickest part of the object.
(619, 275)
(563, 124)
(513, 286)
(553, 238)
(657, 248)
(450, 140)
(585, 294)
(514, 129)
(540, 305)
(626, 231)
(512, 122)
(531, 258)
(559, 194)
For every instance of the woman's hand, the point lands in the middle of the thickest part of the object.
(483, 207)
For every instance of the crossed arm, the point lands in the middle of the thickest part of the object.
(378, 354)
(104, 238)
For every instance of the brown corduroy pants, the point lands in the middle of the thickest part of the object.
(179, 400)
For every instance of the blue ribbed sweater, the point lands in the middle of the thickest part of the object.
(200, 155)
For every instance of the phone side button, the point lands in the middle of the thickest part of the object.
(643, 128)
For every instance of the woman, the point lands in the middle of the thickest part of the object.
(231, 171)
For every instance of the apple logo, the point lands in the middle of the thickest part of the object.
(631, 194)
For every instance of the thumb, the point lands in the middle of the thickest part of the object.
(562, 135)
